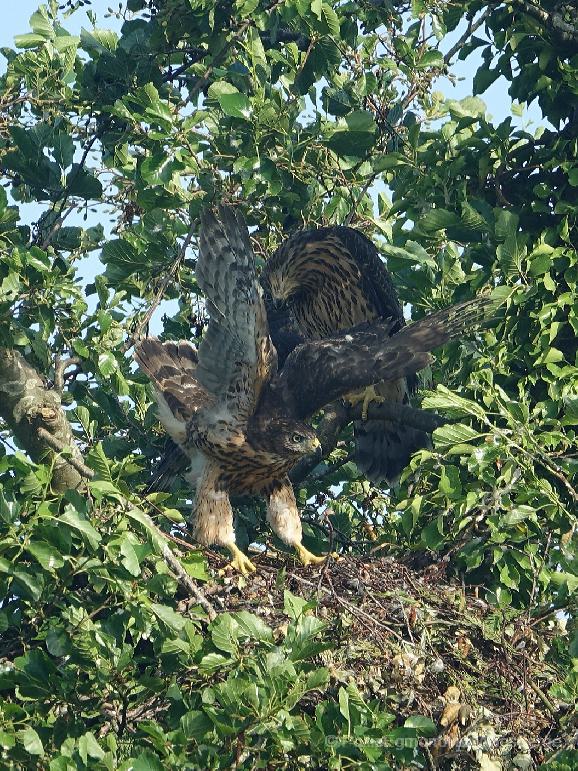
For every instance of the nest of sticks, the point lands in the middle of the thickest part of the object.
(423, 645)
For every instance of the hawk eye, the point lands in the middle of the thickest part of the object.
(297, 438)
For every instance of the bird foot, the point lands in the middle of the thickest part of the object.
(306, 557)
(240, 561)
(365, 397)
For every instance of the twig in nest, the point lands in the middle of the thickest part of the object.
(327, 516)
(349, 605)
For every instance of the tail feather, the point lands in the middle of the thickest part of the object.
(384, 448)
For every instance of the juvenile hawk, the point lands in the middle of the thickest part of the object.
(332, 278)
(239, 419)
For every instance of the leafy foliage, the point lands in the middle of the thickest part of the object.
(302, 112)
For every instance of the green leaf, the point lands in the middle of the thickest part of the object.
(294, 606)
(328, 18)
(231, 101)
(73, 519)
(470, 107)
(438, 219)
(146, 761)
(88, 747)
(424, 726)
(30, 741)
(253, 627)
(29, 40)
(455, 433)
(130, 559)
(167, 615)
(99, 461)
(107, 364)
(444, 399)
(41, 24)
(236, 105)
(63, 149)
(49, 557)
(353, 135)
(80, 348)
(224, 633)
(484, 78)
(82, 182)
(433, 534)
(430, 58)
(509, 257)
(196, 724)
(212, 662)
(195, 563)
(246, 7)
(506, 225)
(100, 40)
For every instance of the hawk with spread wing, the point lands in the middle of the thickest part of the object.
(331, 279)
(237, 417)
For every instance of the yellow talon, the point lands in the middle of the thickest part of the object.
(306, 557)
(240, 561)
(365, 397)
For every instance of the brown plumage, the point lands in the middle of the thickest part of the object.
(207, 401)
(331, 279)
(240, 420)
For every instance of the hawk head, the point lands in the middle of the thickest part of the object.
(283, 284)
(283, 437)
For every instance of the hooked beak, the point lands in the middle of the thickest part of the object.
(314, 444)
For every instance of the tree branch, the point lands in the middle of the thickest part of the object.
(35, 416)
(60, 365)
(58, 447)
(27, 406)
(565, 32)
(471, 28)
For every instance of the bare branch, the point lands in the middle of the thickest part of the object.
(187, 581)
(56, 445)
(471, 28)
(60, 365)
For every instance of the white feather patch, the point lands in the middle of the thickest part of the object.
(176, 429)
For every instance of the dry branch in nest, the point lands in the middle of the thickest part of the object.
(415, 640)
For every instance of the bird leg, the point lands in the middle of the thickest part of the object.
(283, 516)
(365, 397)
(240, 561)
(213, 519)
(306, 557)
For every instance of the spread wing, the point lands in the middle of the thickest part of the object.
(172, 368)
(236, 355)
(320, 371)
